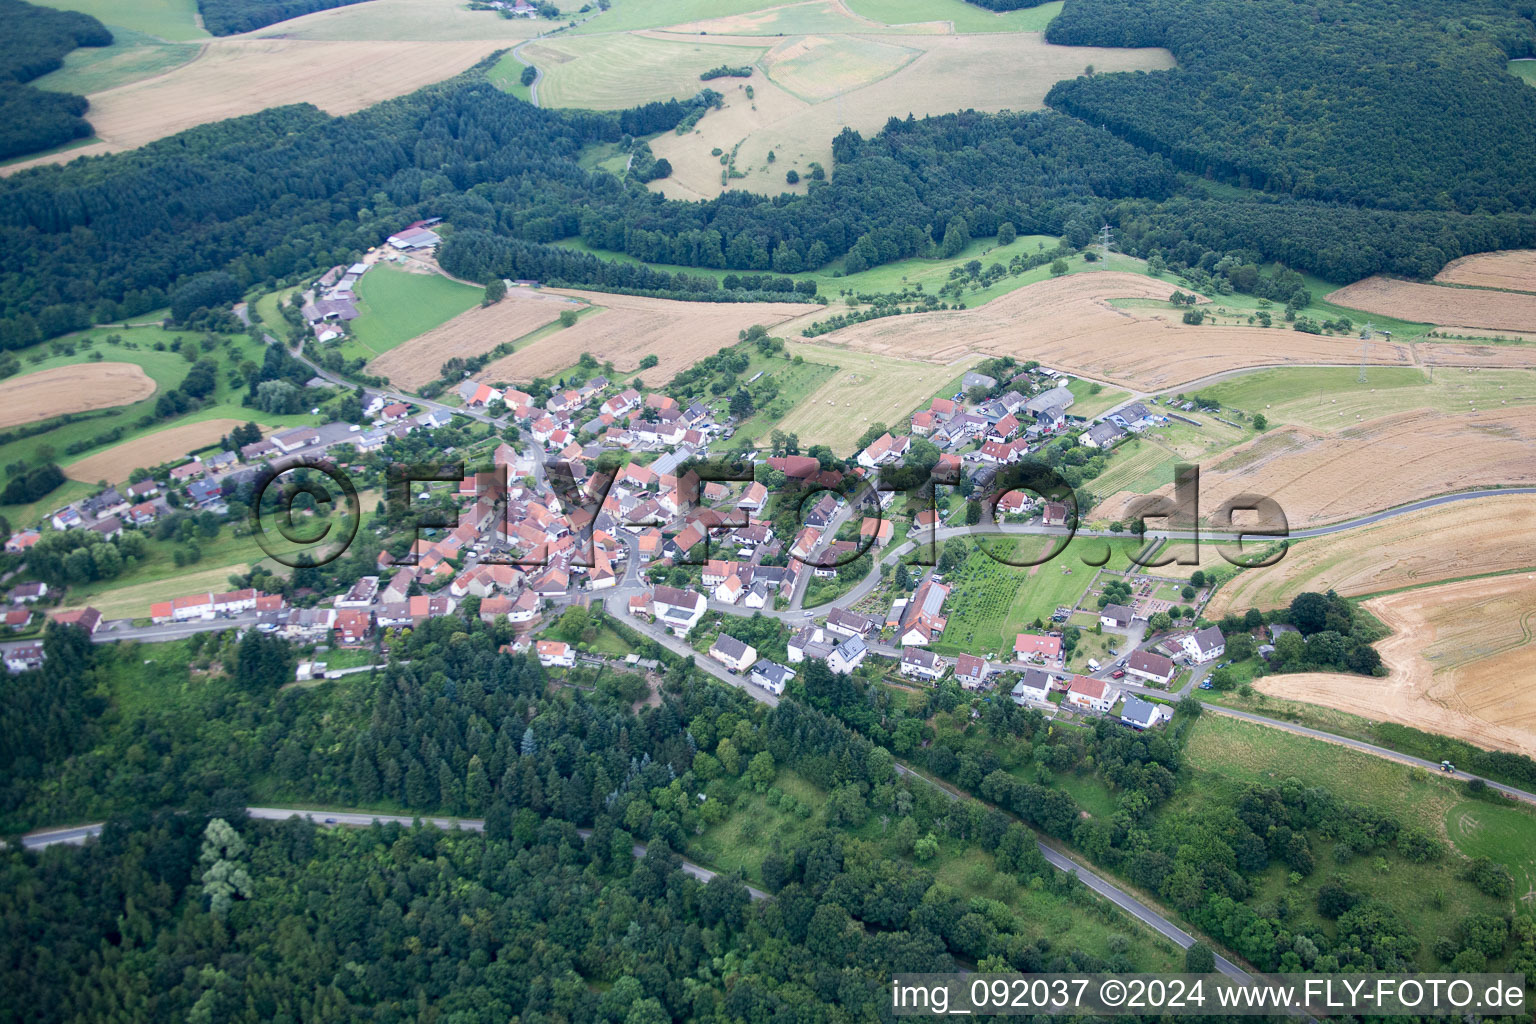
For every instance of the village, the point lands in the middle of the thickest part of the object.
(590, 494)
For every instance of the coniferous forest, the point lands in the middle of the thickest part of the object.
(35, 42)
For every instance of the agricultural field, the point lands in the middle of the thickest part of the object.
(171, 20)
(165, 367)
(1069, 324)
(866, 389)
(611, 72)
(1326, 399)
(132, 56)
(1512, 269)
(816, 68)
(630, 327)
(1005, 70)
(1323, 477)
(992, 601)
(1436, 304)
(814, 17)
(1459, 656)
(240, 75)
(114, 464)
(82, 387)
(1225, 753)
(1489, 535)
(957, 15)
(396, 305)
(1144, 462)
(796, 382)
(474, 332)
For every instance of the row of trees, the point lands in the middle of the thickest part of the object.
(227, 17)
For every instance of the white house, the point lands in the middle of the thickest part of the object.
(921, 664)
(771, 676)
(1035, 686)
(678, 610)
(732, 653)
(1205, 645)
(846, 656)
(1115, 616)
(1151, 667)
(554, 653)
(1143, 714)
(1090, 693)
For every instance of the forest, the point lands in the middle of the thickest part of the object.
(1359, 102)
(35, 42)
(284, 192)
(227, 17)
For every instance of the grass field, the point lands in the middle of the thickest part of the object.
(866, 389)
(816, 68)
(963, 16)
(132, 56)
(613, 72)
(171, 20)
(991, 601)
(796, 19)
(1093, 399)
(627, 15)
(1225, 753)
(397, 305)
(1329, 399)
(507, 74)
(755, 827)
(1505, 834)
(795, 383)
(1524, 69)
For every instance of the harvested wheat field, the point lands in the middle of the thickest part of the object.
(629, 327)
(241, 75)
(114, 464)
(1437, 304)
(1469, 538)
(1322, 477)
(79, 387)
(1513, 268)
(471, 333)
(1461, 657)
(1067, 323)
(875, 75)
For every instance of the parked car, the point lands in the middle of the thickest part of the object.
(1205, 686)
(1118, 673)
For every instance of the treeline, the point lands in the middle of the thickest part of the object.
(227, 17)
(35, 42)
(1349, 101)
(727, 71)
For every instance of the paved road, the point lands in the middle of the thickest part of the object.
(78, 835)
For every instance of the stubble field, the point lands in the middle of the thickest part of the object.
(114, 464)
(1488, 535)
(820, 82)
(77, 388)
(867, 389)
(472, 333)
(630, 327)
(1068, 323)
(1437, 304)
(1460, 657)
(1513, 269)
(1322, 477)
